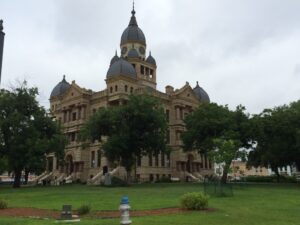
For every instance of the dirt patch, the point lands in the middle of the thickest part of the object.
(45, 213)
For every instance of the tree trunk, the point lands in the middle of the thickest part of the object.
(17, 180)
(26, 176)
(225, 173)
(128, 176)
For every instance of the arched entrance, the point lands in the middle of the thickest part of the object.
(69, 164)
(189, 163)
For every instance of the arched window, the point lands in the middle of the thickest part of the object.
(126, 88)
(116, 88)
(111, 89)
(131, 90)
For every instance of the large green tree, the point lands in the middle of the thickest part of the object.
(132, 130)
(219, 132)
(277, 134)
(27, 132)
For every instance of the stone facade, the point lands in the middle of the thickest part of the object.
(131, 73)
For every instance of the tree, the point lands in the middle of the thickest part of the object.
(277, 134)
(219, 132)
(27, 132)
(135, 129)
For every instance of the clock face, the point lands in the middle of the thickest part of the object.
(142, 50)
(124, 50)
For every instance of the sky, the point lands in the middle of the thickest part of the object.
(241, 52)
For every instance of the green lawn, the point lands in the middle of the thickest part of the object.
(252, 204)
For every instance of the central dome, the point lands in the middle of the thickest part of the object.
(133, 33)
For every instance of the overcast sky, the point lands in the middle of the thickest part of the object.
(241, 51)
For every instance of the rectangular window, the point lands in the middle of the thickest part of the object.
(150, 159)
(162, 155)
(139, 161)
(65, 117)
(98, 158)
(205, 161)
(79, 113)
(73, 136)
(73, 116)
(92, 159)
(142, 70)
(168, 115)
(168, 136)
(156, 160)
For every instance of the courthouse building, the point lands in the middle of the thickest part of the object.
(133, 72)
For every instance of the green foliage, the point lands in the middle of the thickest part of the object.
(277, 133)
(132, 130)
(27, 132)
(218, 132)
(194, 201)
(3, 204)
(84, 209)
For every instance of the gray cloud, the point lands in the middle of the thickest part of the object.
(241, 52)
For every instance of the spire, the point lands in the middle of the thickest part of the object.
(133, 19)
(116, 54)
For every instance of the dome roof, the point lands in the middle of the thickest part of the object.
(60, 88)
(201, 94)
(133, 33)
(121, 67)
(114, 59)
(151, 60)
(133, 53)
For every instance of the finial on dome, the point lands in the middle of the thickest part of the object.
(197, 83)
(64, 77)
(1, 25)
(133, 11)
(150, 53)
(116, 54)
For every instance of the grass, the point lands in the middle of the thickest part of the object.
(252, 204)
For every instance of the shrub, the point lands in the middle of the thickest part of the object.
(194, 201)
(3, 204)
(84, 209)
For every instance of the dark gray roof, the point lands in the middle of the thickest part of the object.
(114, 59)
(60, 88)
(133, 53)
(133, 32)
(121, 67)
(201, 94)
(151, 60)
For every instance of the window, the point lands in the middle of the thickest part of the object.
(168, 115)
(79, 113)
(142, 70)
(168, 136)
(73, 136)
(65, 117)
(156, 160)
(98, 158)
(126, 88)
(111, 89)
(116, 88)
(168, 160)
(131, 90)
(133, 66)
(73, 116)
(92, 159)
(139, 161)
(150, 159)
(205, 161)
(162, 155)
